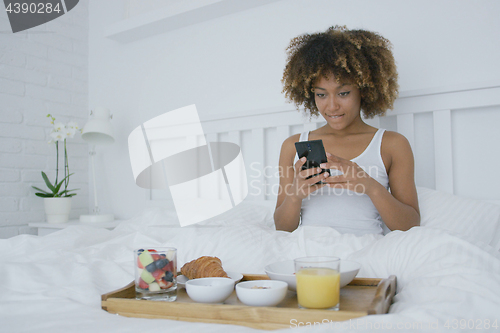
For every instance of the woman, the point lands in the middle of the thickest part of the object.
(337, 74)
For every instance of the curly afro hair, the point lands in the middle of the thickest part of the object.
(357, 57)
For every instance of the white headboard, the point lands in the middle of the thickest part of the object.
(453, 133)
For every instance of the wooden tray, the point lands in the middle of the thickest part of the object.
(363, 296)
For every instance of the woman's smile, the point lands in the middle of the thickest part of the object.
(335, 116)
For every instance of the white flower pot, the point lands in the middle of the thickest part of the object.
(57, 209)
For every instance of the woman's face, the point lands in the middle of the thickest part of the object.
(338, 103)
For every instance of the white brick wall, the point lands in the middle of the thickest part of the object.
(42, 70)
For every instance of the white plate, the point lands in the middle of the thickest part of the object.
(236, 277)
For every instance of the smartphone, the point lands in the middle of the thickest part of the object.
(315, 153)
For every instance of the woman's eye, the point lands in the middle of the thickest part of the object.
(320, 95)
(344, 93)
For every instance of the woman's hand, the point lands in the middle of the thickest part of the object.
(354, 178)
(301, 187)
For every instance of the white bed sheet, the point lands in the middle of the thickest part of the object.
(54, 283)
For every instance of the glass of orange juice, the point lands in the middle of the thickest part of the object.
(318, 282)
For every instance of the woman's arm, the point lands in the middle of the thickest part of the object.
(293, 186)
(398, 208)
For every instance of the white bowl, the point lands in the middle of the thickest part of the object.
(284, 271)
(261, 292)
(209, 290)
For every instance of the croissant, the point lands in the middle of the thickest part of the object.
(203, 267)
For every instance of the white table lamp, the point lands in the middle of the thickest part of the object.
(97, 131)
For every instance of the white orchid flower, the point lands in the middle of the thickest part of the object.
(58, 135)
(72, 125)
(70, 132)
(58, 127)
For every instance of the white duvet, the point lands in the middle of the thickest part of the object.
(54, 283)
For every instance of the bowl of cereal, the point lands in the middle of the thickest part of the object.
(261, 292)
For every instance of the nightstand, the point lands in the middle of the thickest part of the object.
(45, 228)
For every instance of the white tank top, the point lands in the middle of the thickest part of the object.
(345, 210)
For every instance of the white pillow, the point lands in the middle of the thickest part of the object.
(476, 219)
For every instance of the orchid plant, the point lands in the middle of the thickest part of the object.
(59, 133)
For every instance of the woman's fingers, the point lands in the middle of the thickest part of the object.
(341, 164)
(306, 172)
(298, 165)
(306, 180)
(318, 178)
(334, 162)
(336, 179)
(309, 172)
(316, 182)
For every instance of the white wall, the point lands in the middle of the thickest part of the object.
(42, 70)
(234, 63)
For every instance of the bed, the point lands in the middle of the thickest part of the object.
(447, 269)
